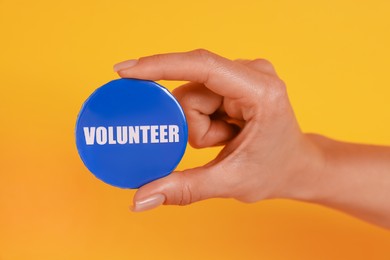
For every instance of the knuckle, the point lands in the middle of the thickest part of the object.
(279, 86)
(178, 93)
(185, 196)
(278, 91)
(263, 65)
(278, 98)
(197, 134)
(206, 56)
(196, 142)
(189, 101)
(185, 97)
(201, 52)
(262, 62)
(208, 61)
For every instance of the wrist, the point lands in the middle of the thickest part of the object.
(307, 179)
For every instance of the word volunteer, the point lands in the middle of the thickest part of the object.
(131, 134)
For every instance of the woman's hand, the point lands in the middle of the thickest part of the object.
(240, 104)
(244, 106)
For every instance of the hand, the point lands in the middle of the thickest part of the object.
(240, 104)
(244, 106)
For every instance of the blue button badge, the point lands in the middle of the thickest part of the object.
(130, 132)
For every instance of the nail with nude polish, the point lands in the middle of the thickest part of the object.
(124, 65)
(148, 203)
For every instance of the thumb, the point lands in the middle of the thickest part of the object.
(179, 188)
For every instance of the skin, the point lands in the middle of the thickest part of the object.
(243, 105)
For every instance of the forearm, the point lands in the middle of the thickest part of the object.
(349, 177)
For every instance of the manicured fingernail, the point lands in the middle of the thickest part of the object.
(124, 65)
(148, 203)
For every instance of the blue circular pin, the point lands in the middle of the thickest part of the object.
(130, 132)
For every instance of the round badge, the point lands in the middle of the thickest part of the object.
(130, 132)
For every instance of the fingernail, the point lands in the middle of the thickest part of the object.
(124, 65)
(148, 203)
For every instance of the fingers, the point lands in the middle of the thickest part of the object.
(200, 106)
(222, 76)
(244, 91)
(180, 188)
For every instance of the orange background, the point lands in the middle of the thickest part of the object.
(333, 55)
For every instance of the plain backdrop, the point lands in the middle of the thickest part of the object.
(333, 55)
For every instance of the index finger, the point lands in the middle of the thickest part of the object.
(220, 75)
